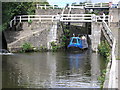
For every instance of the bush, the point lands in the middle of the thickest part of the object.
(26, 47)
(30, 21)
(55, 47)
(104, 49)
(101, 78)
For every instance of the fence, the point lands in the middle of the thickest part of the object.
(112, 71)
(61, 17)
(21, 18)
(86, 5)
(47, 6)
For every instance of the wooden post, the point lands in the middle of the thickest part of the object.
(37, 6)
(45, 6)
(103, 17)
(14, 20)
(11, 23)
(53, 7)
(20, 19)
(100, 4)
(93, 5)
(28, 18)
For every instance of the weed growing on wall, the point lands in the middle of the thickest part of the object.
(26, 47)
(104, 50)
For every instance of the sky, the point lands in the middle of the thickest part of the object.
(64, 2)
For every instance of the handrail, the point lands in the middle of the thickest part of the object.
(21, 18)
(45, 6)
(86, 5)
(112, 73)
(61, 17)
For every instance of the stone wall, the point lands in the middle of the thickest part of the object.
(36, 39)
(95, 35)
(115, 13)
(77, 11)
(115, 26)
(48, 11)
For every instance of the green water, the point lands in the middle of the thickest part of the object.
(52, 70)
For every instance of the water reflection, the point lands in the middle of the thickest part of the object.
(59, 69)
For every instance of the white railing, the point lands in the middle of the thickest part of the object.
(83, 18)
(112, 72)
(61, 17)
(86, 5)
(103, 17)
(96, 5)
(76, 18)
(46, 6)
(40, 18)
(79, 7)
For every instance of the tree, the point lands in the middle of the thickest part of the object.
(11, 9)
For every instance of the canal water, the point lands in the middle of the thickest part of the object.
(52, 70)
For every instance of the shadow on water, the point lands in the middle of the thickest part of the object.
(51, 70)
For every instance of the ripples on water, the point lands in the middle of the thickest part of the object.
(52, 70)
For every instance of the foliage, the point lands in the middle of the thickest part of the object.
(55, 47)
(104, 49)
(27, 47)
(42, 48)
(102, 78)
(30, 22)
(11, 9)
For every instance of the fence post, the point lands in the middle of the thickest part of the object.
(100, 4)
(28, 18)
(20, 19)
(94, 18)
(14, 20)
(11, 23)
(93, 5)
(37, 6)
(40, 7)
(45, 6)
(103, 17)
(85, 5)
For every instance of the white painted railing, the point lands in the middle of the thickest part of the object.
(96, 5)
(40, 18)
(83, 18)
(112, 72)
(86, 5)
(46, 6)
(78, 7)
(77, 18)
(61, 17)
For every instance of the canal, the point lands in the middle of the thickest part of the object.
(52, 70)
